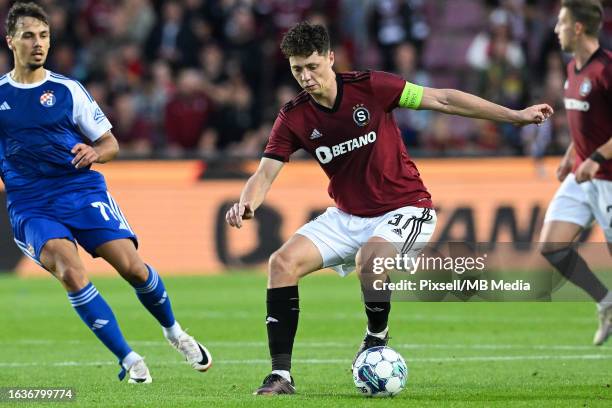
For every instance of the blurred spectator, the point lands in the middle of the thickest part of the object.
(392, 22)
(96, 18)
(133, 131)
(488, 139)
(497, 42)
(135, 19)
(389, 26)
(254, 141)
(242, 51)
(552, 137)
(440, 138)
(171, 38)
(499, 63)
(151, 99)
(187, 116)
(411, 122)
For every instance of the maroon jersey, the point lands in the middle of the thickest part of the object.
(356, 142)
(588, 102)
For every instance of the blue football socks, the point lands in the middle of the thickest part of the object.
(153, 296)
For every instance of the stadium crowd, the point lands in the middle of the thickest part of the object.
(183, 78)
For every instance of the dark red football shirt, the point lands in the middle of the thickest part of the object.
(356, 142)
(588, 103)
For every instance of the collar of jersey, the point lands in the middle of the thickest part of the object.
(336, 106)
(27, 86)
(591, 58)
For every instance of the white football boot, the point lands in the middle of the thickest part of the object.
(139, 373)
(196, 354)
(605, 326)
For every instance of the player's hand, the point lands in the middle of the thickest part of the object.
(565, 168)
(586, 171)
(84, 155)
(237, 213)
(536, 114)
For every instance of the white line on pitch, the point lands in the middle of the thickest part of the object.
(488, 318)
(326, 361)
(324, 344)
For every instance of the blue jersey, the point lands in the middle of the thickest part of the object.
(39, 125)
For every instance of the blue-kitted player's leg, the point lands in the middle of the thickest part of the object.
(102, 230)
(51, 245)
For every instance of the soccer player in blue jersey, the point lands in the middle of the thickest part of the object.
(51, 132)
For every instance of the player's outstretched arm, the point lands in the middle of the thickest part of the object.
(103, 150)
(254, 192)
(455, 102)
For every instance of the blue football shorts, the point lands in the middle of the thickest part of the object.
(89, 218)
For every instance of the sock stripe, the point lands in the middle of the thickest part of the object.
(82, 293)
(84, 298)
(84, 301)
(152, 285)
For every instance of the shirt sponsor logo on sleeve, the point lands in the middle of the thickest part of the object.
(326, 154)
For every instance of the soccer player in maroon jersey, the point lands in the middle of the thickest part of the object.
(586, 169)
(382, 207)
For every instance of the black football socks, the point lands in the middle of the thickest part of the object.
(377, 308)
(571, 265)
(283, 306)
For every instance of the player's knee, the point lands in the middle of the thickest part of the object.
(365, 262)
(73, 278)
(556, 255)
(282, 266)
(545, 248)
(136, 273)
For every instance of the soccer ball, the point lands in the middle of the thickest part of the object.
(380, 372)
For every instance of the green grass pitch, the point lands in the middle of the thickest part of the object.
(458, 354)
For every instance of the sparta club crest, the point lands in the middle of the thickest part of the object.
(585, 87)
(361, 115)
(47, 99)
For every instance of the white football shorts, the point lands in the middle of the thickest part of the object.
(339, 235)
(582, 203)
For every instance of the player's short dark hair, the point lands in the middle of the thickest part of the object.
(588, 12)
(19, 10)
(303, 39)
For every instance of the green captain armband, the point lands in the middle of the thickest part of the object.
(411, 96)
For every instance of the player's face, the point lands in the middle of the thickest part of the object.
(565, 30)
(314, 73)
(31, 42)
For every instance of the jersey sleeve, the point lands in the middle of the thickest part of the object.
(387, 89)
(282, 142)
(87, 115)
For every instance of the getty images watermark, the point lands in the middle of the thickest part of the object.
(474, 271)
(457, 265)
